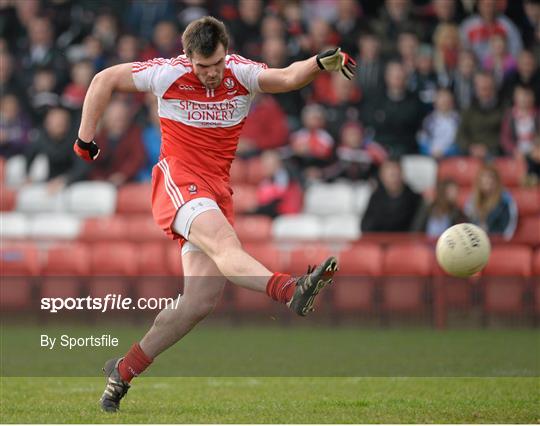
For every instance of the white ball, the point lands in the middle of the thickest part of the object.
(463, 250)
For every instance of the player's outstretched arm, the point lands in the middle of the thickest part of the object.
(116, 78)
(301, 73)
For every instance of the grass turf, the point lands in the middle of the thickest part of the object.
(277, 400)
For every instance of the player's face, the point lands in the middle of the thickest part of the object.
(209, 70)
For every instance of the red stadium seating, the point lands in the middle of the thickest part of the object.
(245, 198)
(536, 281)
(63, 287)
(174, 258)
(67, 259)
(152, 260)
(528, 230)
(116, 259)
(239, 171)
(461, 169)
(464, 194)
(249, 301)
(156, 287)
(504, 279)
(405, 267)
(18, 264)
(7, 199)
(134, 198)
(253, 228)
(527, 200)
(354, 284)
(111, 228)
(143, 228)
(512, 171)
(310, 254)
(267, 254)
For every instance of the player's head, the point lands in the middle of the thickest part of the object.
(205, 43)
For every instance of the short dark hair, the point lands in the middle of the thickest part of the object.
(203, 36)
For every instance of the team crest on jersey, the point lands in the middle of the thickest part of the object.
(228, 82)
(192, 189)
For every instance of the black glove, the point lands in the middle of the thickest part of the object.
(88, 151)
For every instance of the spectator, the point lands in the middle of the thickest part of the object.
(396, 115)
(55, 141)
(521, 124)
(340, 104)
(272, 26)
(527, 74)
(274, 54)
(393, 205)
(14, 127)
(407, 46)
(463, 80)
(142, 16)
(246, 29)
(320, 37)
(165, 42)
(127, 50)
(151, 138)
(40, 51)
(356, 157)
(122, 152)
(278, 193)
(479, 130)
(437, 137)
(446, 52)
(477, 30)
(499, 61)
(106, 31)
(394, 18)
(424, 80)
(530, 23)
(444, 14)
(490, 206)
(260, 132)
(81, 75)
(533, 164)
(369, 70)
(443, 212)
(9, 81)
(312, 146)
(347, 24)
(42, 93)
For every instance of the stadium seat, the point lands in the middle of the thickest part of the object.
(362, 194)
(244, 198)
(536, 280)
(255, 171)
(63, 287)
(143, 228)
(7, 199)
(54, 226)
(504, 279)
(511, 170)
(66, 259)
(19, 263)
(405, 269)
(151, 259)
(174, 258)
(344, 227)
(253, 228)
(156, 287)
(528, 230)
(302, 257)
(2, 170)
(36, 198)
(419, 172)
(108, 228)
(527, 200)
(359, 267)
(113, 258)
(329, 198)
(239, 171)
(91, 198)
(134, 198)
(268, 254)
(463, 170)
(297, 227)
(15, 171)
(464, 194)
(14, 226)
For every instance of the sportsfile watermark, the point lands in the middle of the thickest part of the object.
(110, 302)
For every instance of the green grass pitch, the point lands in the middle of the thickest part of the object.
(360, 365)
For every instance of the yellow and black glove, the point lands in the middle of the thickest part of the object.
(336, 60)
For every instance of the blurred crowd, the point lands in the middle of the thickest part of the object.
(439, 78)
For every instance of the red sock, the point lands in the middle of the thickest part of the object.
(281, 287)
(134, 363)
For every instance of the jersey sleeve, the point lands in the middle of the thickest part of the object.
(156, 75)
(247, 72)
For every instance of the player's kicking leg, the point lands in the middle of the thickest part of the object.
(203, 287)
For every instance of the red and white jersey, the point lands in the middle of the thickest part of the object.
(200, 126)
